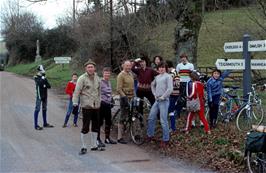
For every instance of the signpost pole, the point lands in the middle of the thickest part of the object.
(247, 70)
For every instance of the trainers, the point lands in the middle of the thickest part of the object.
(100, 143)
(75, 125)
(38, 128)
(83, 151)
(109, 141)
(64, 126)
(121, 141)
(48, 126)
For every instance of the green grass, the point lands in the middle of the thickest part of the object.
(56, 74)
(227, 26)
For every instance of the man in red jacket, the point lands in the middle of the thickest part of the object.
(70, 88)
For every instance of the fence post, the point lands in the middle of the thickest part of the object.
(247, 70)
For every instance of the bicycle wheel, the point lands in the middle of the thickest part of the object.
(256, 162)
(244, 119)
(138, 129)
(257, 113)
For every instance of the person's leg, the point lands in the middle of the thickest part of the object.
(69, 111)
(203, 119)
(102, 113)
(124, 113)
(140, 94)
(189, 121)
(171, 111)
(163, 106)
(211, 114)
(108, 123)
(36, 112)
(84, 130)
(95, 117)
(152, 119)
(44, 113)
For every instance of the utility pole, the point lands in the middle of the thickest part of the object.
(74, 12)
(111, 32)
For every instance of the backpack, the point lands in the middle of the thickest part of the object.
(256, 142)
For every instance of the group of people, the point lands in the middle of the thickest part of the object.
(167, 88)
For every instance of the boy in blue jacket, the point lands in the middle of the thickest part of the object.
(214, 91)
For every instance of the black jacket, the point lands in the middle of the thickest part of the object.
(42, 85)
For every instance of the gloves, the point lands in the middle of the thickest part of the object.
(75, 109)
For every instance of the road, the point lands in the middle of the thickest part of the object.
(24, 149)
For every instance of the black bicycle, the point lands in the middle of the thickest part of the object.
(136, 121)
(256, 152)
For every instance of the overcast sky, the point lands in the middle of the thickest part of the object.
(48, 11)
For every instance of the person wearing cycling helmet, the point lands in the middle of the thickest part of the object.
(41, 85)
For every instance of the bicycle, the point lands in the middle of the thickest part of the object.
(250, 113)
(135, 121)
(255, 152)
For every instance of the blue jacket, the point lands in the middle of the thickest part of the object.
(215, 86)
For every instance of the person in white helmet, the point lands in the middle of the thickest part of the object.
(42, 85)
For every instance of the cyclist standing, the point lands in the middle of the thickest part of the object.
(162, 87)
(125, 88)
(88, 91)
(105, 109)
(214, 91)
(145, 76)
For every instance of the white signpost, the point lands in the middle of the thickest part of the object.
(253, 46)
(239, 64)
(62, 60)
(246, 46)
(233, 47)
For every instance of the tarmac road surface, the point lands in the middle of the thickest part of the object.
(23, 149)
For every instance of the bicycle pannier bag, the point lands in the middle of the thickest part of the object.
(256, 142)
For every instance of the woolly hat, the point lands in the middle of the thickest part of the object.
(89, 62)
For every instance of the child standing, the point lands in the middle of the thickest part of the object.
(195, 89)
(214, 91)
(70, 88)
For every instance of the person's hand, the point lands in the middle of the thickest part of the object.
(75, 109)
(43, 77)
(161, 98)
(137, 60)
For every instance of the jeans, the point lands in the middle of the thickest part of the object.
(69, 111)
(162, 107)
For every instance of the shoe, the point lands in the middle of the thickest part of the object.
(38, 128)
(64, 126)
(97, 149)
(109, 141)
(149, 139)
(75, 125)
(83, 151)
(48, 126)
(164, 144)
(100, 143)
(121, 141)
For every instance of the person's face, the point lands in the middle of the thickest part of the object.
(216, 75)
(90, 69)
(106, 75)
(157, 60)
(161, 70)
(74, 78)
(143, 64)
(127, 66)
(184, 60)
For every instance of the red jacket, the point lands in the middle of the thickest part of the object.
(70, 88)
(197, 88)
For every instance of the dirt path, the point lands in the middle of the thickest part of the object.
(24, 149)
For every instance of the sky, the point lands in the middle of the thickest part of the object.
(48, 11)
